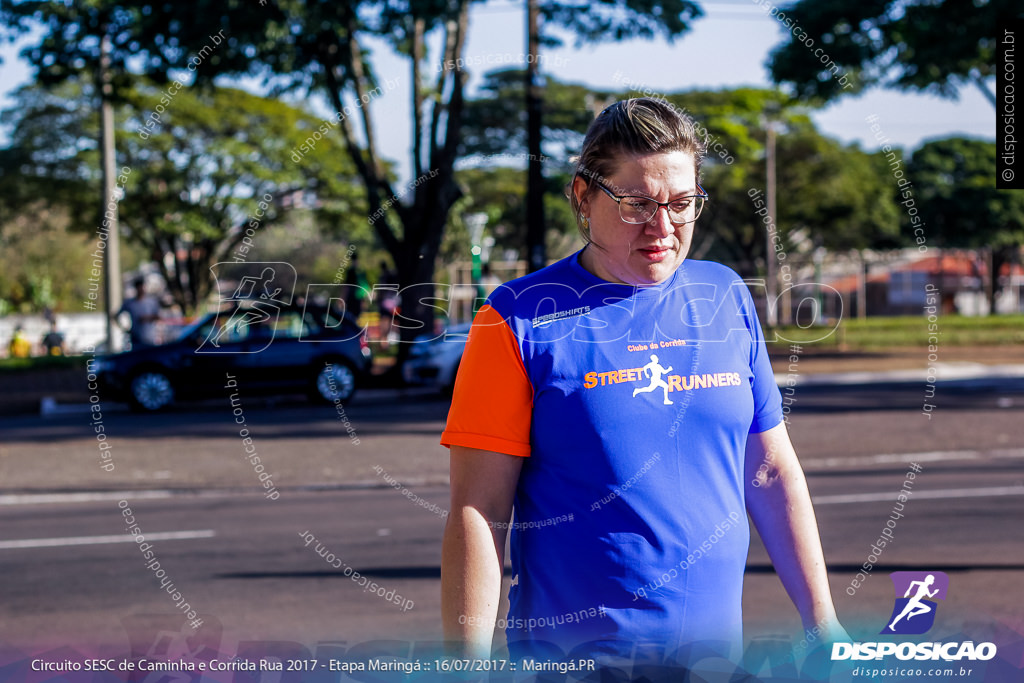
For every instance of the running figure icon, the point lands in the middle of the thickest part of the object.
(655, 372)
(247, 288)
(915, 607)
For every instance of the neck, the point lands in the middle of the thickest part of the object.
(589, 264)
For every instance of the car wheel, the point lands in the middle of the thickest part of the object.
(151, 390)
(335, 381)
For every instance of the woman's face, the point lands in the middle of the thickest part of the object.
(638, 254)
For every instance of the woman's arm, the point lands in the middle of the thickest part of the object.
(483, 485)
(780, 506)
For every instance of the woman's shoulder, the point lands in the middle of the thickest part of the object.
(727, 282)
(558, 278)
(713, 271)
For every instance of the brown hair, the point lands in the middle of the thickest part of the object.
(638, 126)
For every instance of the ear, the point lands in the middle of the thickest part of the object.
(579, 190)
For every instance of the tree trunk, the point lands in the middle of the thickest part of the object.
(416, 257)
(536, 255)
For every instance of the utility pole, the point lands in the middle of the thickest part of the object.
(476, 222)
(771, 279)
(112, 254)
(536, 254)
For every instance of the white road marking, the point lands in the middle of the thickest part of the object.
(52, 498)
(918, 495)
(100, 496)
(811, 464)
(101, 540)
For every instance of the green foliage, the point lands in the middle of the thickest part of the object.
(499, 192)
(69, 45)
(959, 206)
(311, 46)
(194, 164)
(909, 331)
(40, 263)
(834, 193)
(954, 189)
(594, 22)
(829, 194)
(17, 366)
(496, 117)
(927, 46)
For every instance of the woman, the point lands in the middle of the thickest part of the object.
(623, 403)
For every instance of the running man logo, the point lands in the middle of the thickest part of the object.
(658, 378)
(263, 295)
(914, 613)
(655, 371)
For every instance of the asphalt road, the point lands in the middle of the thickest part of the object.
(239, 558)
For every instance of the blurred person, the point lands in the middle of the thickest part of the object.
(488, 280)
(19, 346)
(53, 341)
(630, 507)
(143, 311)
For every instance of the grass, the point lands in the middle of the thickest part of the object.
(12, 365)
(909, 331)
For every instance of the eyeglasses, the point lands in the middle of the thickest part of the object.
(639, 210)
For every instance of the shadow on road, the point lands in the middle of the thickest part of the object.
(417, 411)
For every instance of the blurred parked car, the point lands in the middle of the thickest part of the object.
(265, 347)
(435, 361)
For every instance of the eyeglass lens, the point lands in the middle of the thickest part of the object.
(641, 210)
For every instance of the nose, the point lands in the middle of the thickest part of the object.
(660, 225)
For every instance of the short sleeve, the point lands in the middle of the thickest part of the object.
(767, 399)
(492, 406)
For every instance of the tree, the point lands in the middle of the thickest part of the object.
(197, 171)
(306, 46)
(498, 192)
(311, 46)
(954, 191)
(320, 47)
(827, 191)
(494, 118)
(830, 192)
(41, 264)
(927, 46)
(86, 38)
(668, 19)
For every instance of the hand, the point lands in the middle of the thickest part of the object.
(829, 631)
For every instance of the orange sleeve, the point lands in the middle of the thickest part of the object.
(492, 407)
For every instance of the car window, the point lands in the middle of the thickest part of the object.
(332, 322)
(230, 329)
(291, 325)
(311, 323)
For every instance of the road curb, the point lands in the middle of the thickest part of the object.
(940, 372)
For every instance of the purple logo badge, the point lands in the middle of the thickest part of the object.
(916, 592)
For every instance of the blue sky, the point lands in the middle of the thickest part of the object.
(728, 47)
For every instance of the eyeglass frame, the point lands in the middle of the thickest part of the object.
(618, 200)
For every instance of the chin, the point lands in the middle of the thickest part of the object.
(653, 273)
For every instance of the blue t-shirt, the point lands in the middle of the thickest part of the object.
(629, 517)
